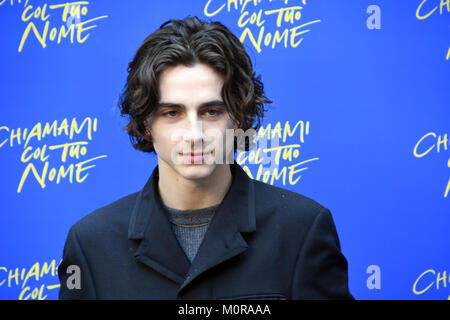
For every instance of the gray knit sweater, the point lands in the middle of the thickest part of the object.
(190, 227)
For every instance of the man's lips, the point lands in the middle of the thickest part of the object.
(195, 157)
(194, 154)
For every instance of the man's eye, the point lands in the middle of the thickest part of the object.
(171, 114)
(213, 112)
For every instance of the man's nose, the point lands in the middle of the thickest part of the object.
(194, 132)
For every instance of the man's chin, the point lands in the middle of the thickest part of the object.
(195, 171)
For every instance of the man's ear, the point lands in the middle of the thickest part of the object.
(235, 125)
(148, 133)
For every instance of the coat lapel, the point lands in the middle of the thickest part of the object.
(223, 239)
(159, 248)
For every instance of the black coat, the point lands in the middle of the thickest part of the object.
(263, 242)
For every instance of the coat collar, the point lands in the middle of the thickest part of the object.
(159, 248)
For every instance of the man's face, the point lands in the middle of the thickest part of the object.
(189, 126)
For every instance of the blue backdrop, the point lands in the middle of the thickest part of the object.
(361, 105)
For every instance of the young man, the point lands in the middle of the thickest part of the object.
(200, 228)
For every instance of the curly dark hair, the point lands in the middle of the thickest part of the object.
(187, 42)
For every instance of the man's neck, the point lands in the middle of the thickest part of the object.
(184, 194)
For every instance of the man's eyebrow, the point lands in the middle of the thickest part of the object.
(213, 103)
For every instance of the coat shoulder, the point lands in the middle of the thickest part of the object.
(289, 205)
(113, 216)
